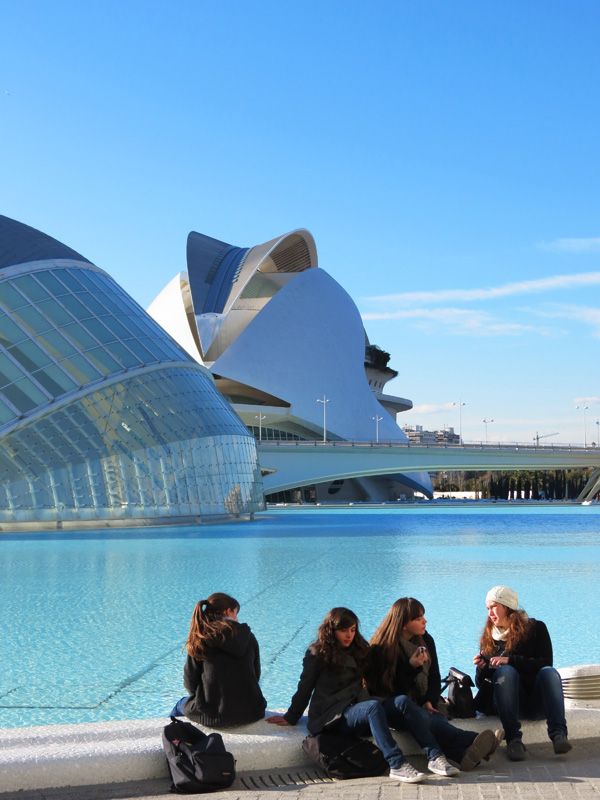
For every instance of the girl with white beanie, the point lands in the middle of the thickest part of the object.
(515, 676)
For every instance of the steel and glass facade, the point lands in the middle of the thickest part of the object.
(102, 415)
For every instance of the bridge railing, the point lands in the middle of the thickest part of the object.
(303, 443)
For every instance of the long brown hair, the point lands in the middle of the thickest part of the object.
(329, 650)
(386, 639)
(518, 626)
(209, 625)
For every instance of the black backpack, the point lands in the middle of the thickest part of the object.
(461, 703)
(344, 757)
(197, 762)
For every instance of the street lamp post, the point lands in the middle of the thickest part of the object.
(460, 405)
(584, 409)
(377, 421)
(260, 418)
(486, 422)
(598, 433)
(324, 401)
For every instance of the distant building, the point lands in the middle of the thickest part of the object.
(104, 419)
(416, 435)
(287, 348)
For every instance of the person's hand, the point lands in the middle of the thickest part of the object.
(278, 720)
(498, 661)
(419, 657)
(479, 660)
(430, 708)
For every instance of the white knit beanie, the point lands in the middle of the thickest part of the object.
(503, 595)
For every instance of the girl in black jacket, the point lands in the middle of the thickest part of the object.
(331, 685)
(222, 669)
(515, 674)
(403, 660)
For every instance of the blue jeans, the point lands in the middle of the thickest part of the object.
(374, 718)
(545, 701)
(178, 709)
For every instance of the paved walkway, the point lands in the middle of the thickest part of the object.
(542, 775)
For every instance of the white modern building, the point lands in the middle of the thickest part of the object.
(104, 419)
(287, 348)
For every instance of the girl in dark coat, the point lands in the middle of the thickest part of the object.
(331, 685)
(222, 669)
(515, 675)
(403, 660)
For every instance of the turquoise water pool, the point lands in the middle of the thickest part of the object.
(92, 624)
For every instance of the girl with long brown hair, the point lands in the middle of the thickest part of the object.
(331, 684)
(403, 661)
(515, 675)
(222, 669)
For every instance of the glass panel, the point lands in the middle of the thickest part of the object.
(131, 326)
(124, 355)
(29, 355)
(9, 372)
(49, 281)
(83, 276)
(9, 297)
(29, 286)
(115, 326)
(56, 344)
(100, 331)
(108, 302)
(32, 320)
(105, 362)
(80, 336)
(10, 333)
(54, 380)
(80, 369)
(69, 281)
(55, 312)
(77, 309)
(24, 395)
(140, 351)
(90, 302)
(6, 413)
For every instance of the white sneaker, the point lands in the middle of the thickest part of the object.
(441, 766)
(407, 774)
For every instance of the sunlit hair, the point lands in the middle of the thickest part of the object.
(518, 626)
(386, 639)
(209, 624)
(331, 653)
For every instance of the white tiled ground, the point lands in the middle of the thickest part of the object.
(104, 752)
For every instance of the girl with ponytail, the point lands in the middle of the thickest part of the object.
(222, 669)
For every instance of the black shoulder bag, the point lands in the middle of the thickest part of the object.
(461, 703)
(343, 757)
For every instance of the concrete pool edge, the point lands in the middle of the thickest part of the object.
(58, 756)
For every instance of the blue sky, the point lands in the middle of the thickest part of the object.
(445, 156)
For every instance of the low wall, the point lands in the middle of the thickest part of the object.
(113, 752)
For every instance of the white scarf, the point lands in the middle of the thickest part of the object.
(498, 635)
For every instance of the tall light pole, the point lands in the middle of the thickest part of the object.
(324, 401)
(460, 404)
(260, 418)
(377, 421)
(584, 408)
(598, 433)
(486, 422)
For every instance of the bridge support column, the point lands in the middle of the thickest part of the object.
(591, 487)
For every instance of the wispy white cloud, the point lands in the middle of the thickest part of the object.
(573, 245)
(584, 314)
(457, 320)
(536, 286)
(588, 401)
(432, 409)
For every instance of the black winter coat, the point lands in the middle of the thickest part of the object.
(223, 687)
(404, 681)
(328, 692)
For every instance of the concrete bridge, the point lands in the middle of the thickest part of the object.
(292, 464)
